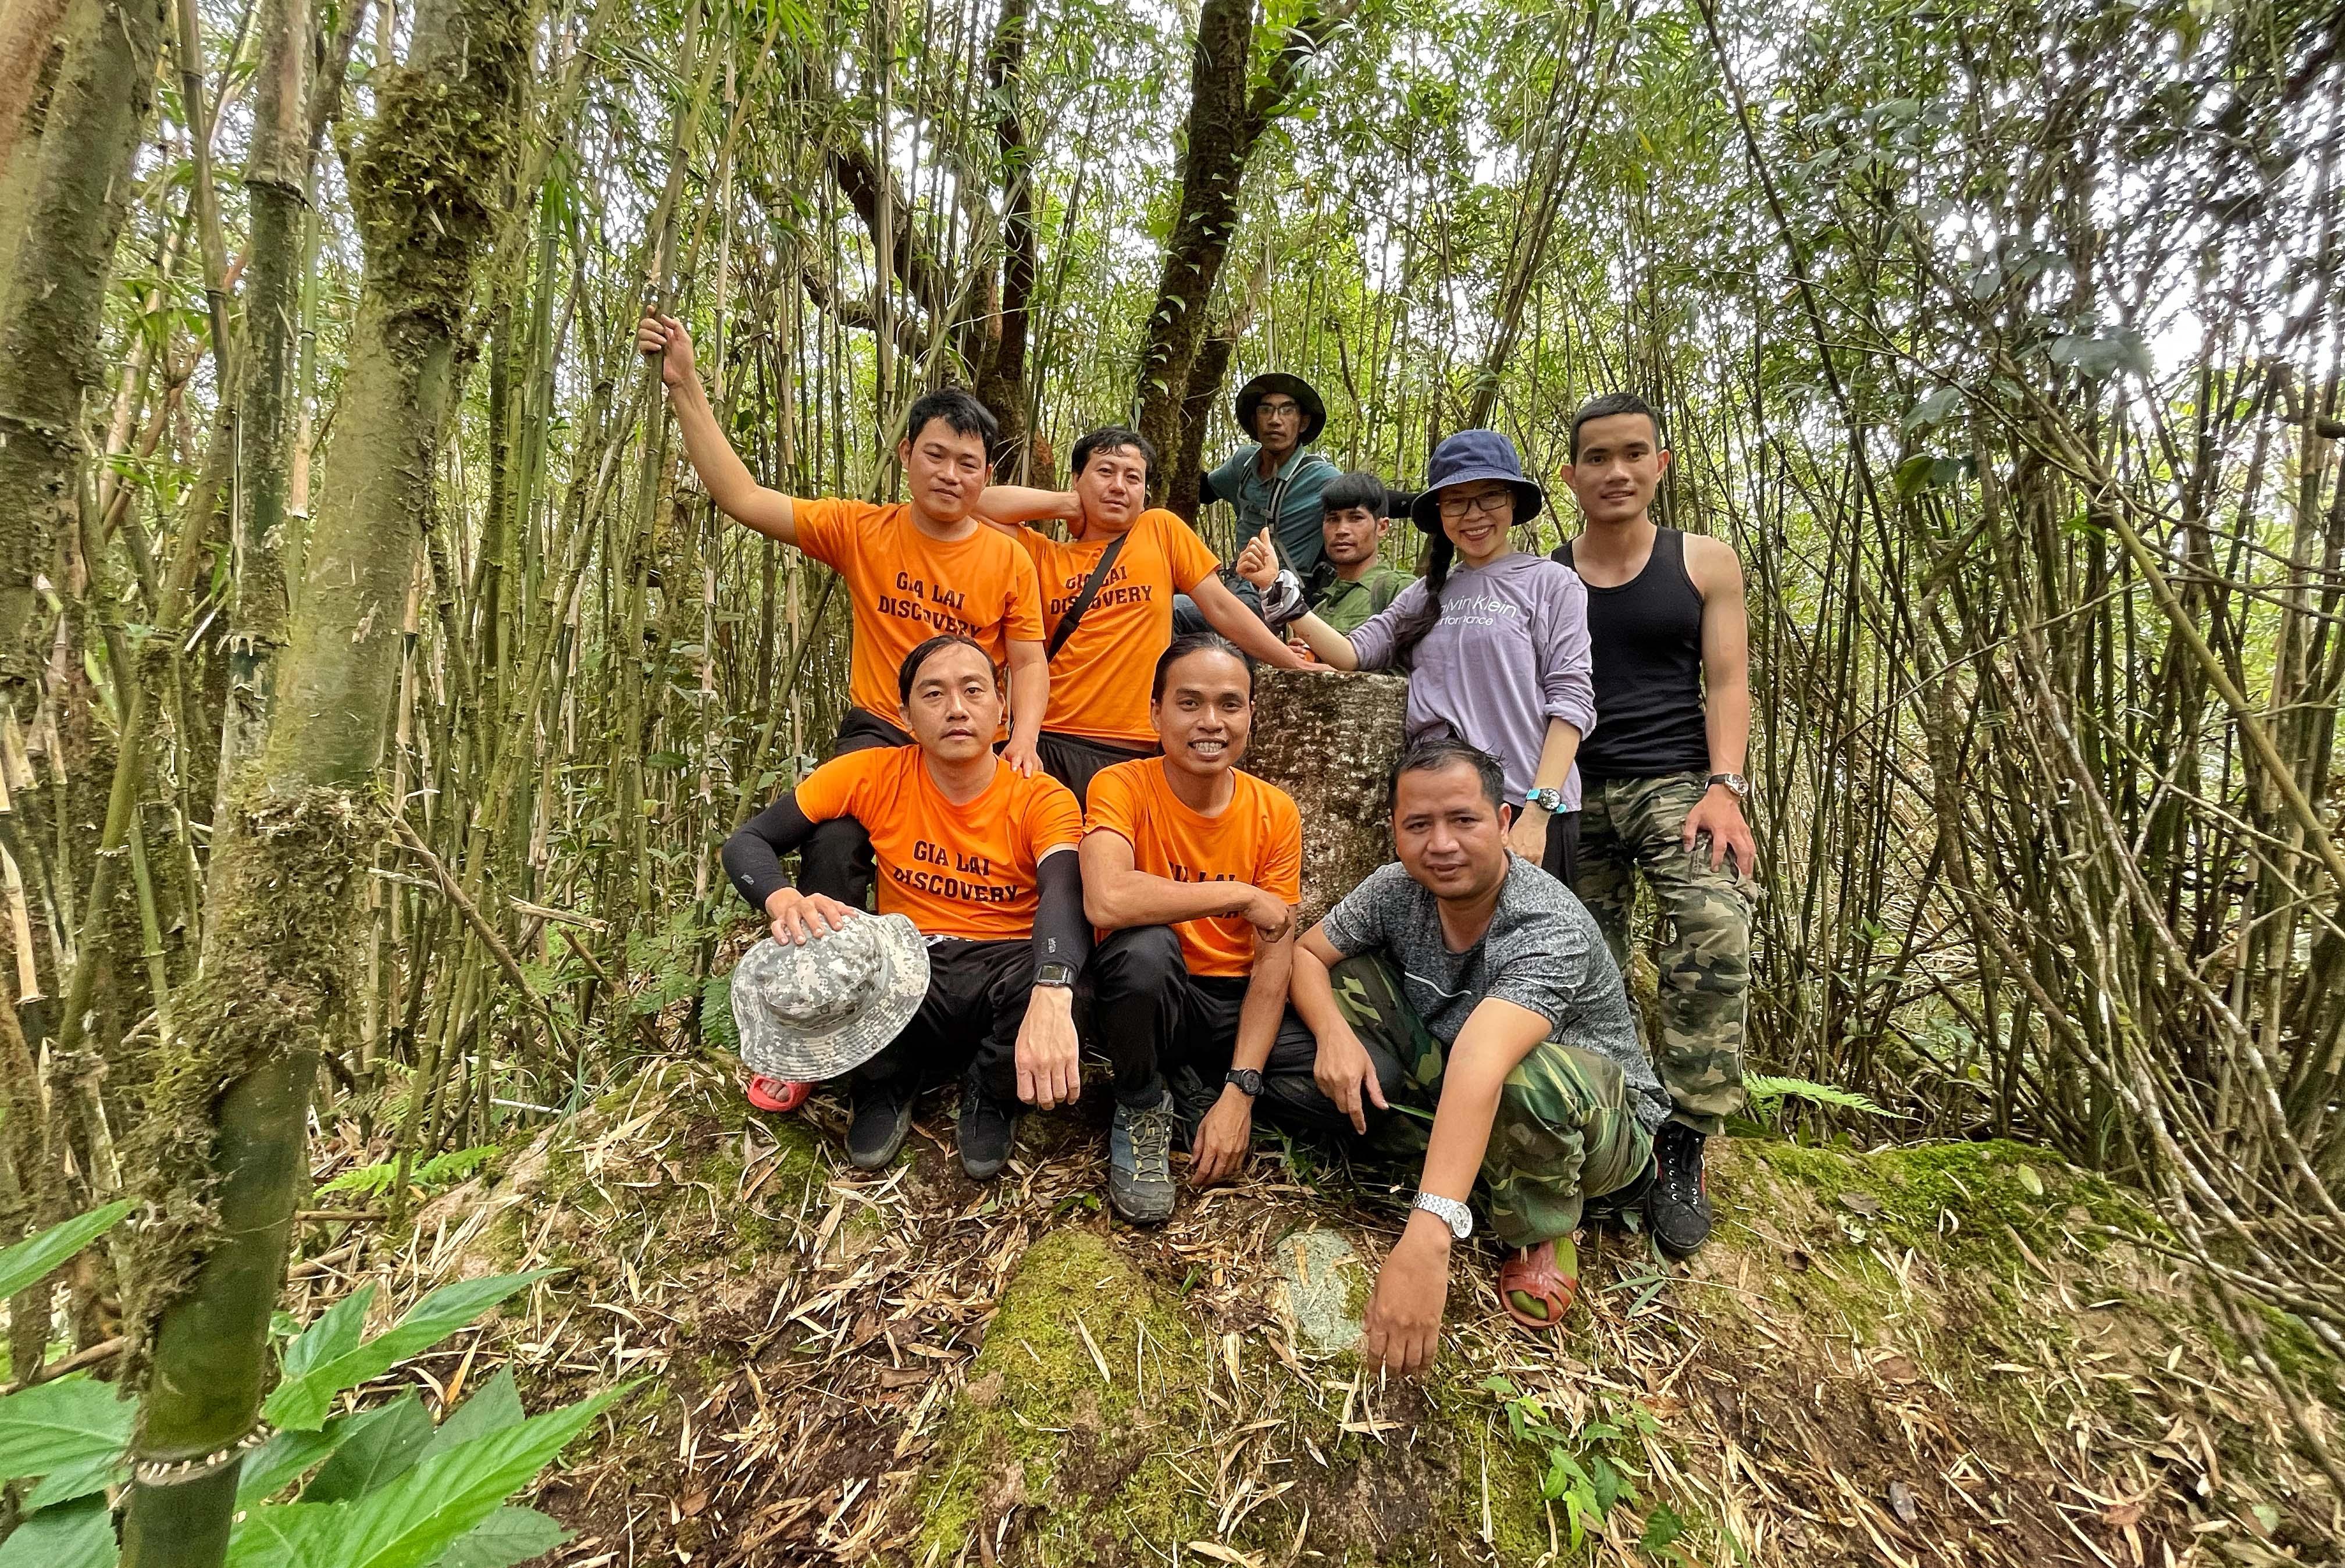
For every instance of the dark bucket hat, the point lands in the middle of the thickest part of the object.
(1306, 398)
(1463, 459)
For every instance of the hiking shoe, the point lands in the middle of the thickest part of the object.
(1677, 1208)
(1139, 1161)
(987, 1129)
(883, 1114)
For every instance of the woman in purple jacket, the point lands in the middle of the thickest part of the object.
(1494, 639)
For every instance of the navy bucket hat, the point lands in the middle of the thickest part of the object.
(1468, 457)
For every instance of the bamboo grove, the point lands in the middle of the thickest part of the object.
(379, 684)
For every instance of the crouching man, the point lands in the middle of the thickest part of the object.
(1467, 981)
(1193, 868)
(980, 858)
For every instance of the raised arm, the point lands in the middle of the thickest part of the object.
(1007, 506)
(730, 484)
(1227, 614)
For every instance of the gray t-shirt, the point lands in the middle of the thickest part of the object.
(1543, 953)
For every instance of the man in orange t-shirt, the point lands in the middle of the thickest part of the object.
(915, 569)
(1193, 868)
(973, 852)
(1097, 714)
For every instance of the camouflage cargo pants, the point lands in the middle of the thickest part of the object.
(1564, 1131)
(1633, 825)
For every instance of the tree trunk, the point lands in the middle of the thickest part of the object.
(1002, 378)
(1226, 118)
(80, 191)
(31, 50)
(223, 1152)
(1331, 741)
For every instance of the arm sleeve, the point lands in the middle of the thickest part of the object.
(826, 526)
(1110, 805)
(1567, 670)
(753, 855)
(1358, 924)
(1190, 560)
(1021, 616)
(1282, 860)
(1533, 981)
(1398, 502)
(1372, 640)
(1221, 484)
(1061, 932)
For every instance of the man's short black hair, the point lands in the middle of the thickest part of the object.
(1608, 405)
(1189, 643)
(1357, 488)
(960, 411)
(1435, 752)
(910, 670)
(1114, 438)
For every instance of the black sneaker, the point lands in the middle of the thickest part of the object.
(883, 1114)
(987, 1129)
(1677, 1208)
(1139, 1161)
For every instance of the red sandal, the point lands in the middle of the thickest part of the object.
(775, 1095)
(1538, 1284)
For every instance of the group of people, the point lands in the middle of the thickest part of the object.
(1039, 774)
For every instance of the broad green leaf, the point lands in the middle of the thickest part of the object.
(79, 1479)
(53, 1425)
(285, 1457)
(78, 1535)
(494, 1405)
(414, 1521)
(29, 1260)
(381, 1446)
(303, 1401)
(2029, 1179)
(508, 1536)
(336, 1333)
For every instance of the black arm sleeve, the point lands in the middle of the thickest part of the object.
(753, 855)
(1205, 486)
(1062, 932)
(1398, 502)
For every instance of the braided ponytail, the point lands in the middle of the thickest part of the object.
(1440, 556)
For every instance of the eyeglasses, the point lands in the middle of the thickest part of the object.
(1490, 503)
(1276, 409)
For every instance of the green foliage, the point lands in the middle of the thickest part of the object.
(717, 1026)
(79, 1536)
(1767, 1096)
(32, 1259)
(441, 1170)
(51, 1426)
(1579, 1472)
(303, 1398)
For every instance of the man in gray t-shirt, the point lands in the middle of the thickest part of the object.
(1467, 983)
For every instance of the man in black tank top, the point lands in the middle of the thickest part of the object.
(1662, 781)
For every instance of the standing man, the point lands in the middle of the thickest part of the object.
(1467, 981)
(1352, 584)
(917, 569)
(1191, 869)
(1275, 483)
(1664, 787)
(1108, 596)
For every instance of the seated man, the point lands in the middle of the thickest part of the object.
(1351, 586)
(1193, 867)
(1467, 982)
(977, 856)
(1107, 601)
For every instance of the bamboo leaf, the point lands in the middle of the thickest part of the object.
(53, 1425)
(79, 1536)
(302, 1401)
(25, 1264)
(416, 1519)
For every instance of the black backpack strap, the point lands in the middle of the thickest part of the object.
(1083, 597)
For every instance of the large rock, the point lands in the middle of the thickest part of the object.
(1330, 741)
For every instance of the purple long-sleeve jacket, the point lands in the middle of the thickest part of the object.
(1509, 653)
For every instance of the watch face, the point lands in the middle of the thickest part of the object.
(1054, 974)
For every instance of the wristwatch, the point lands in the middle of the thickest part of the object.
(1449, 1211)
(1547, 800)
(1056, 973)
(1737, 785)
(1248, 1080)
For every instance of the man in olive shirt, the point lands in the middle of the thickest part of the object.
(1352, 584)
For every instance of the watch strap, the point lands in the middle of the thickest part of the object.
(1248, 1080)
(1449, 1211)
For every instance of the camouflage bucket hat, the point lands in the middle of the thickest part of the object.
(812, 1011)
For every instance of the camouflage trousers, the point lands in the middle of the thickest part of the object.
(1564, 1131)
(1702, 947)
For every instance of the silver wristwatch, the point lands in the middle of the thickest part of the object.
(1449, 1211)
(1547, 800)
(1736, 785)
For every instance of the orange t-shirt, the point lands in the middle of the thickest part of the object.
(957, 870)
(906, 588)
(1257, 838)
(1099, 682)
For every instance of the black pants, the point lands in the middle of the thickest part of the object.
(837, 861)
(976, 1005)
(1154, 1021)
(1073, 760)
(1561, 861)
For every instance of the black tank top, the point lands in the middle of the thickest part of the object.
(1647, 639)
